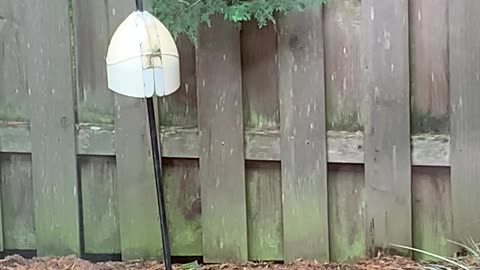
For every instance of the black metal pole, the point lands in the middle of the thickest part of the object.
(159, 185)
(139, 4)
(157, 165)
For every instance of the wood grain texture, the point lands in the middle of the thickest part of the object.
(464, 44)
(92, 33)
(303, 136)
(347, 217)
(261, 112)
(137, 201)
(346, 100)
(139, 217)
(55, 187)
(182, 191)
(260, 76)
(387, 134)
(101, 230)
(264, 208)
(429, 66)
(14, 92)
(17, 202)
(432, 211)
(180, 108)
(220, 121)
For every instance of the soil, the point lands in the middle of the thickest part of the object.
(74, 263)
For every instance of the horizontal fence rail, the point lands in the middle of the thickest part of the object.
(328, 135)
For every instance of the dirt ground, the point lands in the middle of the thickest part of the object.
(73, 263)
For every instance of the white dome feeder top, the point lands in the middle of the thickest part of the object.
(142, 58)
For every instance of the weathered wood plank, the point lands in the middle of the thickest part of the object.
(177, 142)
(429, 66)
(55, 186)
(182, 191)
(139, 217)
(264, 207)
(14, 92)
(260, 76)
(346, 192)
(91, 28)
(303, 136)
(180, 108)
(346, 101)
(261, 111)
(101, 230)
(464, 40)
(17, 202)
(220, 121)
(387, 140)
(432, 211)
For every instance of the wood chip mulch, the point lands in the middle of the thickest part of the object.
(74, 263)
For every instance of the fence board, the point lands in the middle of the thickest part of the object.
(432, 216)
(220, 121)
(264, 208)
(346, 101)
(182, 186)
(429, 66)
(95, 107)
(17, 200)
(464, 40)
(303, 136)
(100, 210)
(14, 94)
(180, 108)
(91, 28)
(139, 219)
(55, 186)
(387, 140)
(261, 112)
(346, 191)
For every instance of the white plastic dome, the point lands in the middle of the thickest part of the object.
(142, 58)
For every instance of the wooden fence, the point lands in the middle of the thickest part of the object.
(265, 154)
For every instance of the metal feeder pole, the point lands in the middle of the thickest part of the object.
(158, 173)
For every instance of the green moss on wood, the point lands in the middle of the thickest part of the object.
(349, 122)
(91, 113)
(14, 112)
(426, 123)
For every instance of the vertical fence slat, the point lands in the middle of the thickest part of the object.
(346, 193)
(95, 107)
(464, 40)
(101, 230)
(387, 138)
(139, 221)
(429, 66)
(220, 121)
(346, 111)
(432, 216)
(17, 202)
(182, 198)
(182, 186)
(54, 161)
(303, 136)
(14, 95)
(261, 111)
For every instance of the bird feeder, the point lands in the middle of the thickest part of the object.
(143, 62)
(142, 58)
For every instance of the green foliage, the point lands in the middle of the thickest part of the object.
(185, 16)
(469, 261)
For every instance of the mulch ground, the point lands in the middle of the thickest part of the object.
(73, 263)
